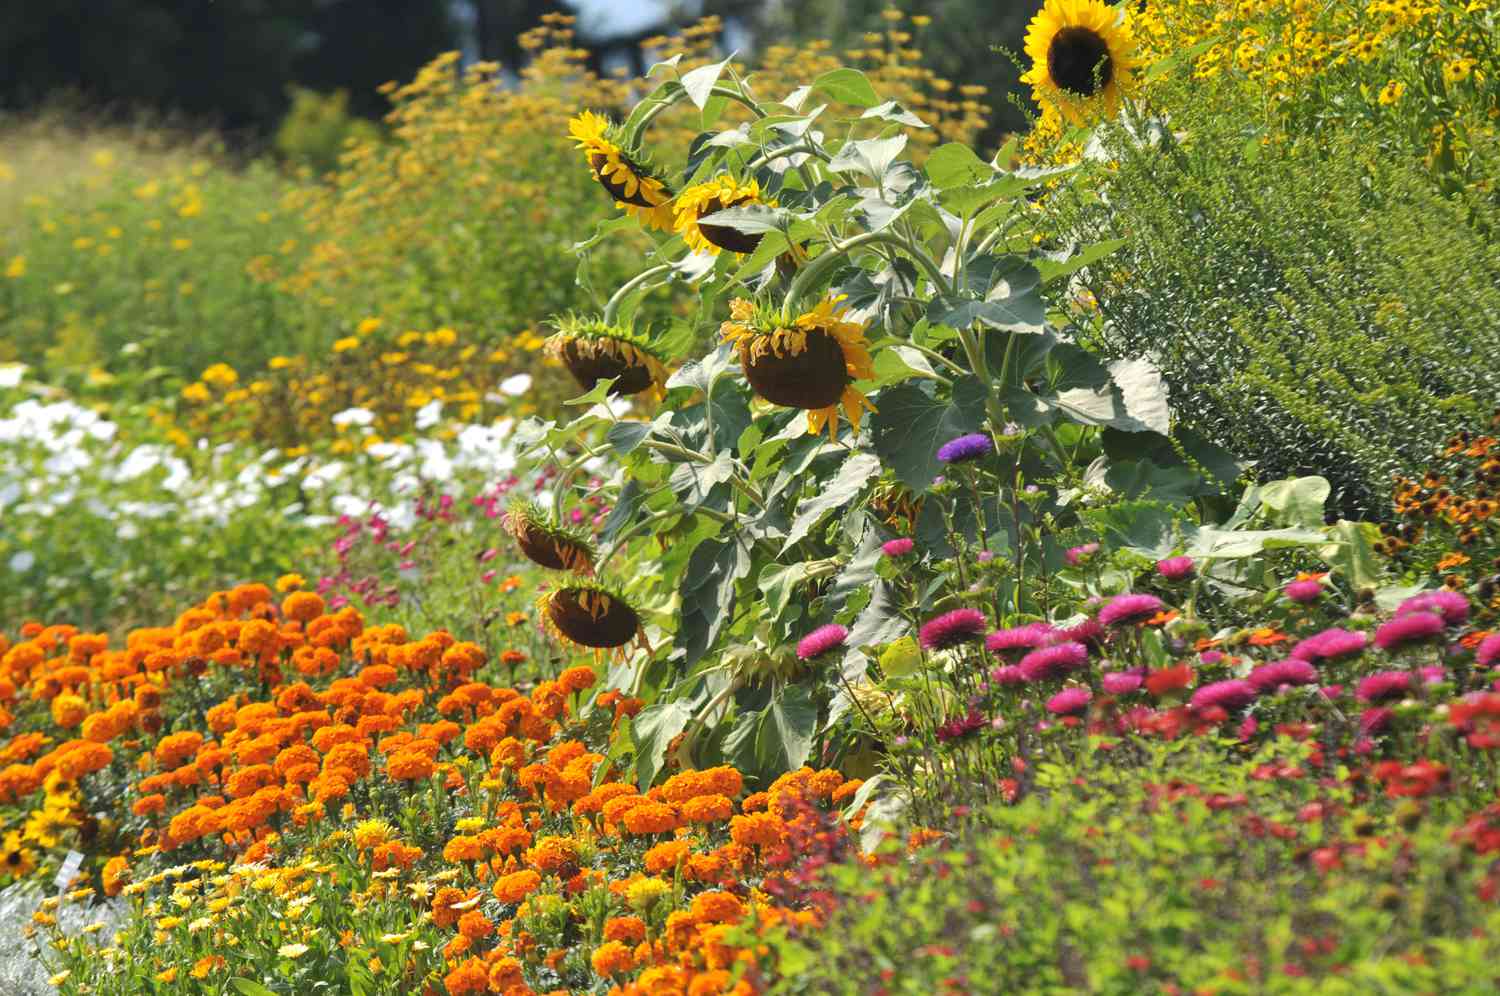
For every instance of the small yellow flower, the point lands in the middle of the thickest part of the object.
(368, 325)
(16, 269)
(1391, 92)
(345, 344)
(292, 950)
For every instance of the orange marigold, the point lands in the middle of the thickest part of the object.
(516, 886)
(612, 958)
(651, 817)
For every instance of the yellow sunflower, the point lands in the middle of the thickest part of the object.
(16, 859)
(1082, 58)
(593, 351)
(623, 174)
(704, 199)
(811, 364)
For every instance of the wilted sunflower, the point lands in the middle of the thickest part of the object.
(589, 615)
(593, 351)
(811, 364)
(547, 543)
(1082, 58)
(697, 202)
(625, 174)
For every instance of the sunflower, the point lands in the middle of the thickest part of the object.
(593, 351)
(811, 364)
(546, 543)
(697, 202)
(590, 615)
(16, 859)
(625, 175)
(1082, 58)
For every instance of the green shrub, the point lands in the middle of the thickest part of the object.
(318, 127)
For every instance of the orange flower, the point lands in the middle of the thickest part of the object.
(114, 875)
(302, 606)
(516, 886)
(577, 679)
(612, 958)
(410, 766)
(651, 817)
(665, 857)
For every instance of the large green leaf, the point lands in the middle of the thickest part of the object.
(870, 156)
(1297, 501)
(955, 164)
(1353, 553)
(838, 493)
(847, 86)
(912, 423)
(708, 593)
(776, 739)
(653, 730)
(699, 83)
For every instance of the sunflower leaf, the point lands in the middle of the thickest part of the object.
(847, 86)
(699, 83)
(851, 479)
(653, 730)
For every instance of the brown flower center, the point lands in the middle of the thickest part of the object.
(1078, 61)
(611, 623)
(812, 379)
(589, 364)
(615, 187)
(723, 236)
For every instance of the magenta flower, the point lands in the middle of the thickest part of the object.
(1054, 661)
(951, 629)
(1383, 685)
(960, 726)
(1414, 627)
(1026, 637)
(821, 640)
(1432, 675)
(1007, 674)
(1488, 652)
(1211, 657)
(1088, 631)
(1292, 671)
(1330, 644)
(1452, 606)
(1373, 721)
(1129, 609)
(1228, 695)
(897, 547)
(1304, 591)
(1078, 554)
(1069, 701)
(1120, 682)
(1175, 568)
(965, 448)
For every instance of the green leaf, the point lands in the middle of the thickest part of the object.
(870, 156)
(248, 988)
(847, 86)
(1297, 501)
(954, 165)
(751, 219)
(699, 83)
(1053, 269)
(776, 739)
(897, 363)
(1353, 556)
(892, 111)
(841, 491)
(911, 423)
(653, 729)
(626, 436)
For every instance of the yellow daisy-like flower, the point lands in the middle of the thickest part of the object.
(811, 364)
(16, 859)
(699, 201)
(593, 351)
(1391, 93)
(622, 175)
(1082, 58)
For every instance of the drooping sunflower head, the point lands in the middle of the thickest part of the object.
(701, 200)
(811, 363)
(587, 614)
(593, 351)
(545, 542)
(625, 173)
(1082, 58)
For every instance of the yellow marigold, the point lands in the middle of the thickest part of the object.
(68, 710)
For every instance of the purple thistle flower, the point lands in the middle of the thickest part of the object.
(1120, 682)
(1007, 674)
(1373, 721)
(1383, 685)
(1175, 568)
(952, 628)
(1414, 627)
(897, 547)
(1452, 606)
(821, 640)
(1228, 695)
(1054, 661)
(1026, 637)
(1488, 652)
(1069, 701)
(1292, 671)
(1078, 554)
(1130, 608)
(1330, 644)
(965, 448)
(1304, 591)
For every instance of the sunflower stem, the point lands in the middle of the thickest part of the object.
(633, 136)
(810, 274)
(612, 306)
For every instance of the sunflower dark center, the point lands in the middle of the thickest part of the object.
(13, 858)
(614, 627)
(589, 364)
(812, 379)
(1078, 61)
(615, 187)
(722, 235)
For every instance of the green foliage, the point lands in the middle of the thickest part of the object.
(318, 127)
(1317, 306)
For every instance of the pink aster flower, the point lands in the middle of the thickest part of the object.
(1121, 682)
(1054, 661)
(821, 640)
(1330, 644)
(897, 547)
(1383, 685)
(952, 628)
(1088, 631)
(1175, 568)
(1451, 605)
(1292, 671)
(1078, 554)
(1069, 701)
(1228, 695)
(1414, 627)
(1304, 590)
(1006, 675)
(1488, 652)
(1129, 609)
(1373, 721)
(1025, 637)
